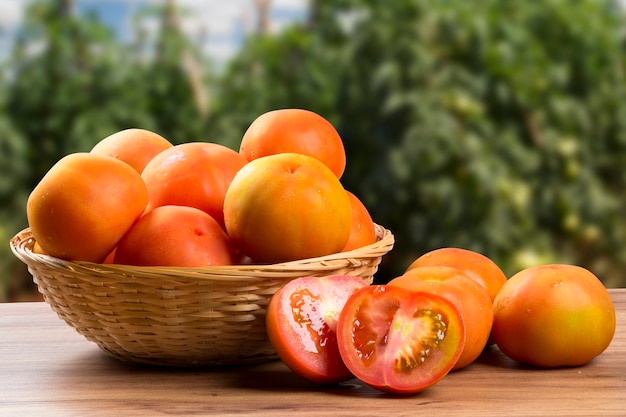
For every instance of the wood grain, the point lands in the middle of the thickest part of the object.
(46, 368)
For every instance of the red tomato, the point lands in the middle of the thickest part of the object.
(398, 340)
(471, 298)
(175, 236)
(301, 322)
(553, 316)
(294, 130)
(194, 174)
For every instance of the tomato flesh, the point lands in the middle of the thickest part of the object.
(301, 323)
(397, 340)
(314, 333)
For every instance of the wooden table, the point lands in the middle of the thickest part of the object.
(47, 369)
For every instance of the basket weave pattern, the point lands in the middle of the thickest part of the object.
(180, 316)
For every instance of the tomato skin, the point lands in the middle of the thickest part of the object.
(478, 266)
(134, 146)
(175, 236)
(553, 316)
(286, 207)
(363, 231)
(301, 322)
(83, 206)
(194, 174)
(294, 130)
(397, 340)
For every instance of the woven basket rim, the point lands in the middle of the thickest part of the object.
(173, 316)
(22, 244)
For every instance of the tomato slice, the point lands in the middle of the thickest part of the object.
(397, 340)
(301, 322)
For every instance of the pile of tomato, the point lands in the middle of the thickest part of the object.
(438, 317)
(137, 199)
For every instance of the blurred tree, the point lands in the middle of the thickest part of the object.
(69, 83)
(263, 16)
(176, 79)
(490, 125)
(13, 173)
(492, 113)
(61, 96)
(494, 126)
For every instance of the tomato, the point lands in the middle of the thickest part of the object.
(83, 206)
(397, 340)
(467, 295)
(136, 147)
(301, 323)
(553, 316)
(175, 236)
(476, 265)
(286, 207)
(294, 130)
(194, 174)
(363, 230)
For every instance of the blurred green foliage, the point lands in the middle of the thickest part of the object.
(490, 125)
(69, 83)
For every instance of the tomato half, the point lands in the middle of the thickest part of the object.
(471, 298)
(397, 340)
(301, 323)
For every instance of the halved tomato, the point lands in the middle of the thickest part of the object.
(471, 298)
(397, 340)
(301, 322)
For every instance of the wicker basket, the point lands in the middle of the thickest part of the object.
(180, 316)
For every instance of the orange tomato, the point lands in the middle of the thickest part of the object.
(83, 206)
(175, 236)
(136, 147)
(467, 295)
(295, 130)
(38, 249)
(363, 231)
(194, 174)
(476, 265)
(553, 316)
(285, 207)
(110, 257)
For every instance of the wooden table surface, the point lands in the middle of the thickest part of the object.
(47, 369)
